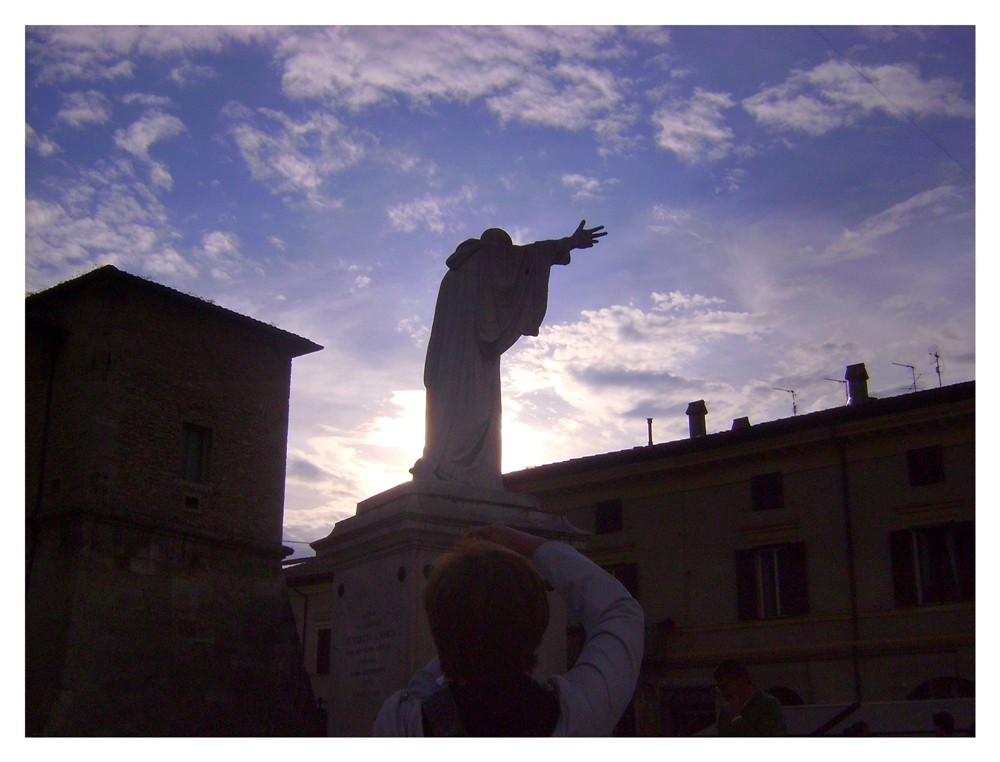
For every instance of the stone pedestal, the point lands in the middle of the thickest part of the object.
(380, 558)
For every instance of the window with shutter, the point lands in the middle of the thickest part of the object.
(934, 564)
(771, 582)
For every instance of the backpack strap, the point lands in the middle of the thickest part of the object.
(440, 714)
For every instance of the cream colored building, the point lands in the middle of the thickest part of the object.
(834, 552)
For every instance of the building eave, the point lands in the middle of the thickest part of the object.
(110, 277)
(843, 421)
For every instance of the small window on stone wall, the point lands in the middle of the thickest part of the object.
(195, 449)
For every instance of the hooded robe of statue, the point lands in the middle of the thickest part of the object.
(492, 294)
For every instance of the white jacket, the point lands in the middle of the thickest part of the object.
(596, 691)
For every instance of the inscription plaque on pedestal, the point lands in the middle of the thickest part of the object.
(380, 558)
(370, 647)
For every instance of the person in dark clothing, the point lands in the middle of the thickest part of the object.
(746, 710)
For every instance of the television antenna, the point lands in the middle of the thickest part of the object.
(847, 397)
(913, 373)
(795, 409)
(933, 351)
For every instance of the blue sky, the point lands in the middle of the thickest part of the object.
(781, 201)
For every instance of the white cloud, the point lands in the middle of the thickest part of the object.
(82, 109)
(675, 300)
(913, 304)
(693, 129)
(533, 75)
(602, 365)
(98, 53)
(151, 128)
(667, 219)
(190, 74)
(160, 176)
(326, 467)
(579, 392)
(297, 156)
(218, 246)
(863, 240)
(436, 213)
(415, 328)
(220, 250)
(99, 218)
(340, 467)
(836, 94)
(143, 134)
(731, 180)
(147, 99)
(584, 187)
(170, 264)
(572, 97)
(45, 146)
(81, 53)
(361, 67)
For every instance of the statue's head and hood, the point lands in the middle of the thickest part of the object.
(493, 237)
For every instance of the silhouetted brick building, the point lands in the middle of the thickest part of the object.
(156, 426)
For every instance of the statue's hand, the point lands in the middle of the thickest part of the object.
(584, 238)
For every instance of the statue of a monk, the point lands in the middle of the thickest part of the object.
(493, 293)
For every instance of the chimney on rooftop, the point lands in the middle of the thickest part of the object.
(739, 424)
(696, 412)
(857, 384)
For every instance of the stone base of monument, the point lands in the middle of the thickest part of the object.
(380, 558)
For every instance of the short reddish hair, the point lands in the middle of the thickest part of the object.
(488, 610)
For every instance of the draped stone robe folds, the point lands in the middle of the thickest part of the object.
(492, 294)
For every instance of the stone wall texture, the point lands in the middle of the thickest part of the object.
(155, 602)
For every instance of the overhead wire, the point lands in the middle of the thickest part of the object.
(889, 100)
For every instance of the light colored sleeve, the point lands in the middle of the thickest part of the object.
(400, 715)
(597, 690)
(427, 680)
